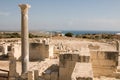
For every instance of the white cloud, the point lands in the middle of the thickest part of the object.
(4, 13)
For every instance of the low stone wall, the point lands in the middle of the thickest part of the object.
(39, 49)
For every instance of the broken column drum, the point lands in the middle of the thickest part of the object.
(24, 37)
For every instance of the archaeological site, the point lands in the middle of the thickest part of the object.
(57, 58)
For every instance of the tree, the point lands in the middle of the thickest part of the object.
(69, 34)
(31, 35)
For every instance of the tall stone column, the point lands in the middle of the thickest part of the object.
(24, 36)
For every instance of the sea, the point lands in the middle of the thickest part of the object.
(89, 32)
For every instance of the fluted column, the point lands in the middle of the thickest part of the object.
(24, 37)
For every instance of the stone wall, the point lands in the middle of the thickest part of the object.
(104, 63)
(67, 64)
(40, 51)
(37, 50)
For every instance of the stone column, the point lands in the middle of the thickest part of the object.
(118, 49)
(24, 36)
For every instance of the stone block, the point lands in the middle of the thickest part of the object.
(68, 57)
(12, 78)
(54, 76)
(61, 57)
(63, 73)
(24, 76)
(87, 60)
(47, 76)
(36, 74)
(30, 75)
(75, 57)
(70, 64)
(62, 63)
(82, 70)
(80, 59)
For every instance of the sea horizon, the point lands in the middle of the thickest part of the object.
(75, 32)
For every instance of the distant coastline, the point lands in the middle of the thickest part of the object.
(75, 32)
(89, 32)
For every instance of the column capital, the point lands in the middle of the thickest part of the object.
(24, 8)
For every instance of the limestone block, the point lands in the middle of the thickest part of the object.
(70, 71)
(47, 76)
(24, 76)
(36, 74)
(50, 51)
(82, 70)
(70, 64)
(87, 59)
(93, 54)
(12, 66)
(84, 52)
(61, 57)
(68, 57)
(54, 76)
(75, 57)
(30, 75)
(103, 62)
(62, 63)
(63, 73)
(84, 58)
(12, 78)
(17, 51)
(80, 59)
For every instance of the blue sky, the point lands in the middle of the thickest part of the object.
(62, 15)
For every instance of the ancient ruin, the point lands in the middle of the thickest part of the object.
(57, 58)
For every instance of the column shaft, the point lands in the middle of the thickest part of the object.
(24, 37)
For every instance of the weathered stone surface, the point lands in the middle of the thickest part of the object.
(47, 77)
(31, 75)
(75, 57)
(54, 76)
(104, 63)
(40, 51)
(82, 70)
(36, 74)
(70, 64)
(63, 72)
(24, 35)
